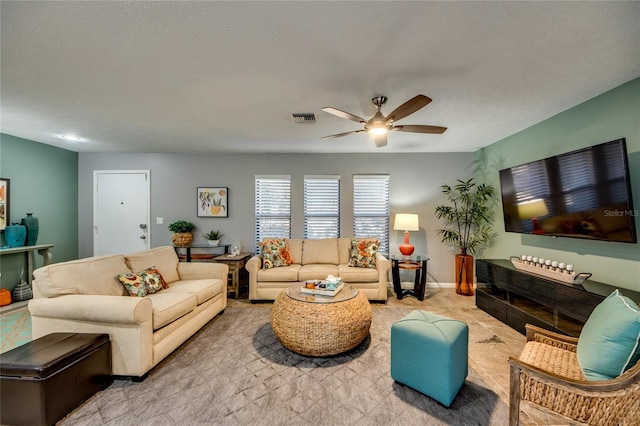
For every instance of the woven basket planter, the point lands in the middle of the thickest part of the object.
(182, 239)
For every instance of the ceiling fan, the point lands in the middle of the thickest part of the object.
(378, 126)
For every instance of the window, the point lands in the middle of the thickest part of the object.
(371, 208)
(321, 207)
(273, 207)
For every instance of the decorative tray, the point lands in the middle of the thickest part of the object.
(573, 278)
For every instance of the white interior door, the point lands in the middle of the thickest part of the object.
(121, 211)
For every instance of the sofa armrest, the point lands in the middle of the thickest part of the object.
(92, 308)
(252, 266)
(383, 265)
(202, 270)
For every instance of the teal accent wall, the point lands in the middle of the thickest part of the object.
(44, 181)
(611, 115)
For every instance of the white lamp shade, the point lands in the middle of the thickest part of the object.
(533, 208)
(406, 222)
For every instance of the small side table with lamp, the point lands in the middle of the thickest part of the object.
(408, 222)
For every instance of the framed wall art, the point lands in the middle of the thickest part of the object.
(4, 203)
(213, 202)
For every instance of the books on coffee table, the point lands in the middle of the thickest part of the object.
(320, 288)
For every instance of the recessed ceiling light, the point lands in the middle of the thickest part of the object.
(72, 138)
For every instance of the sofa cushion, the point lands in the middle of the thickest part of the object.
(352, 274)
(168, 307)
(202, 289)
(165, 258)
(275, 253)
(363, 253)
(320, 251)
(609, 342)
(317, 271)
(284, 273)
(295, 248)
(93, 275)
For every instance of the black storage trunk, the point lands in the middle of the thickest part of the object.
(44, 380)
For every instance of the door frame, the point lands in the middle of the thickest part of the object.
(96, 173)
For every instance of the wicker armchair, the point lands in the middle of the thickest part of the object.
(547, 375)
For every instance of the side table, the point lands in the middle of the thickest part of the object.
(238, 275)
(416, 263)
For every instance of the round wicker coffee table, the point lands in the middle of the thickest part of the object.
(320, 325)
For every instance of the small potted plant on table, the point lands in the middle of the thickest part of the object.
(213, 237)
(182, 236)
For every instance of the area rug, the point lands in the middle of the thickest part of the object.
(15, 329)
(235, 371)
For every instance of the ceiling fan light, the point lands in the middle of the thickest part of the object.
(377, 130)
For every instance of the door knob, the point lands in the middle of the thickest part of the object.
(143, 226)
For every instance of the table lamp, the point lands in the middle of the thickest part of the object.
(407, 222)
(533, 209)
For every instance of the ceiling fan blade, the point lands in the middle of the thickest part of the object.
(420, 129)
(337, 135)
(380, 140)
(409, 107)
(343, 114)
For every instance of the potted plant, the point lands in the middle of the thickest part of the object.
(182, 236)
(214, 237)
(466, 226)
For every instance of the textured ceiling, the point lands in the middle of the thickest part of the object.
(225, 76)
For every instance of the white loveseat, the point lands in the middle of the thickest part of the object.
(85, 296)
(315, 260)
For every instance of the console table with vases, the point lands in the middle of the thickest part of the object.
(29, 252)
(315, 325)
(205, 251)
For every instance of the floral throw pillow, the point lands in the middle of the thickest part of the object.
(152, 277)
(275, 253)
(363, 253)
(144, 282)
(134, 284)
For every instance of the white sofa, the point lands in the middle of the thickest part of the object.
(315, 260)
(85, 296)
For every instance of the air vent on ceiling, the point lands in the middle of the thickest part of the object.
(303, 117)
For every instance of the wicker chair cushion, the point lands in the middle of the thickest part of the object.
(553, 359)
(609, 343)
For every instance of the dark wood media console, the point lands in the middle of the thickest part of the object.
(517, 298)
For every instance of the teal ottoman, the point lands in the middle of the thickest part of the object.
(429, 354)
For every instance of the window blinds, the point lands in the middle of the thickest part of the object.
(273, 207)
(371, 208)
(321, 207)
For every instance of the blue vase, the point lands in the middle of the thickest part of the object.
(32, 225)
(15, 235)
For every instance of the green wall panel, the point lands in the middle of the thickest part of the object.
(609, 116)
(44, 181)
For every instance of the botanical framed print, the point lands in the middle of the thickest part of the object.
(4, 203)
(213, 202)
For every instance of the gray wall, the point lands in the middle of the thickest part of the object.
(44, 181)
(414, 188)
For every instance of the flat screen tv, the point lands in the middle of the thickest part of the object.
(581, 194)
